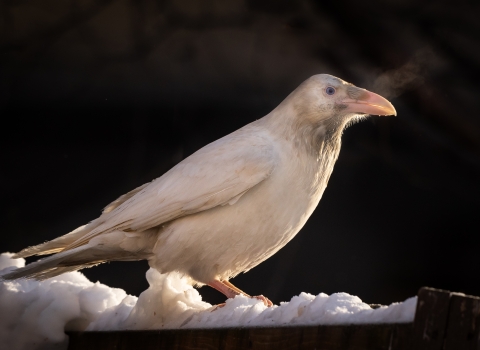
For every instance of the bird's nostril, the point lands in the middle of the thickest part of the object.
(356, 93)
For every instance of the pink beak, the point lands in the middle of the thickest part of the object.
(370, 103)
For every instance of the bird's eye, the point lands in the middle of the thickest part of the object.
(330, 90)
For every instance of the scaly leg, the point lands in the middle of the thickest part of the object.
(230, 291)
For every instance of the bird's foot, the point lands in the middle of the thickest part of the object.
(265, 300)
(230, 291)
(218, 306)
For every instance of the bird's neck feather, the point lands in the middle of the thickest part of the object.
(316, 144)
(319, 138)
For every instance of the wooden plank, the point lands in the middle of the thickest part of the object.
(401, 338)
(430, 319)
(361, 337)
(350, 337)
(463, 323)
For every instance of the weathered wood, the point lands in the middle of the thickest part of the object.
(463, 323)
(430, 319)
(351, 337)
(401, 338)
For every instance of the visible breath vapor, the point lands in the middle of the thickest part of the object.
(394, 82)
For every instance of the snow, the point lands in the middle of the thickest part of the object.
(35, 315)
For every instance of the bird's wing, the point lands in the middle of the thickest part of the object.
(122, 199)
(217, 174)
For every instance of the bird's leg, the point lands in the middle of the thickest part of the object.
(238, 290)
(265, 300)
(230, 291)
(226, 290)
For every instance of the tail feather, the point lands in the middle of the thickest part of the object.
(71, 260)
(52, 266)
(46, 274)
(114, 246)
(54, 246)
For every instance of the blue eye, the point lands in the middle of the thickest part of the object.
(330, 90)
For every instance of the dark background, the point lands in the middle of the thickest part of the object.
(98, 97)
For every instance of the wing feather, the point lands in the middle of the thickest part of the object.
(217, 174)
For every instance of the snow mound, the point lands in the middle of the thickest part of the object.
(35, 315)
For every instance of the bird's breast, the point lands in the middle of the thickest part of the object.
(229, 239)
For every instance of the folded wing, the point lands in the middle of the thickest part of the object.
(218, 174)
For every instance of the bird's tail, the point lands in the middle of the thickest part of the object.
(114, 246)
(55, 265)
(54, 246)
(70, 260)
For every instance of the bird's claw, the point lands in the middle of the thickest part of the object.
(218, 306)
(265, 300)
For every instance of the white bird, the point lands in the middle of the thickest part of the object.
(230, 205)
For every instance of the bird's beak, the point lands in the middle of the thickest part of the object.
(369, 103)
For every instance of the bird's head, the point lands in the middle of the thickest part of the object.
(325, 99)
